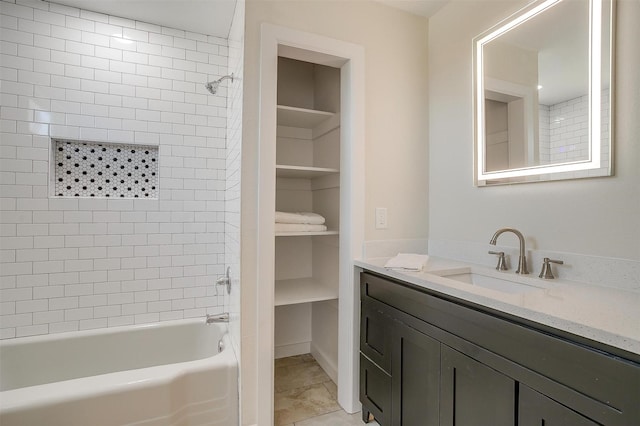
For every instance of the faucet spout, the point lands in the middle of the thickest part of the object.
(522, 259)
(217, 318)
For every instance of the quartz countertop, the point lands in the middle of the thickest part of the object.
(606, 315)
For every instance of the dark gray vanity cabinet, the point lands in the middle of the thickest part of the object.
(427, 359)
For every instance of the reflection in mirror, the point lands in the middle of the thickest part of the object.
(542, 108)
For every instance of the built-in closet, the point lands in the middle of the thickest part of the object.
(308, 180)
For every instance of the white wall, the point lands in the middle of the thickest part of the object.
(396, 129)
(589, 216)
(72, 264)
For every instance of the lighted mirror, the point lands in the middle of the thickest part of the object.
(543, 94)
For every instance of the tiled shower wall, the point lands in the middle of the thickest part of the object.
(233, 162)
(69, 263)
(564, 130)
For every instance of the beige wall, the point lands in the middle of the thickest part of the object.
(590, 216)
(396, 128)
(396, 97)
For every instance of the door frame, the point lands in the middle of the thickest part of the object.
(280, 41)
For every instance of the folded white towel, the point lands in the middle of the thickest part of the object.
(407, 262)
(299, 227)
(301, 217)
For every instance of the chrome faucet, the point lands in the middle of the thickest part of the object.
(522, 260)
(217, 318)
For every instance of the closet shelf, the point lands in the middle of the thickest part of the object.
(303, 172)
(302, 290)
(301, 117)
(305, 234)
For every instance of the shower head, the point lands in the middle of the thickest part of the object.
(212, 86)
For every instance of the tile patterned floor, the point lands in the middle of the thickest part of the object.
(306, 396)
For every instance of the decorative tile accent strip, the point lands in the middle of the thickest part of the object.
(96, 169)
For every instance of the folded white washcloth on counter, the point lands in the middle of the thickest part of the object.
(299, 227)
(407, 262)
(300, 217)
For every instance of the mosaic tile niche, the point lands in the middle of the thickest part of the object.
(96, 169)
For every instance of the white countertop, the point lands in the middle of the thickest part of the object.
(602, 314)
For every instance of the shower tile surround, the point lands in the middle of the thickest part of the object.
(80, 263)
(564, 130)
(233, 162)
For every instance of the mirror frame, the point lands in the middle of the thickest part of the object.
(561, 170)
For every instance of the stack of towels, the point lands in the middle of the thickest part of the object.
(407, 262)
(299, 222)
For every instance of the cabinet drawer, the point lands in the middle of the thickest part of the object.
(375, 336)
(375, 391)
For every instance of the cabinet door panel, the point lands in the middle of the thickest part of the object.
(473, 394)
(375, 391)
(415, 378)
(375, 336)
(535, 409)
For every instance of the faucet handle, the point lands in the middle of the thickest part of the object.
(546, 272)
(225, 280)
(502, 264)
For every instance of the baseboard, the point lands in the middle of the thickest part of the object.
(292, 349)
(329, 367)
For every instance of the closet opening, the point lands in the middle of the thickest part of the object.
(307, 229)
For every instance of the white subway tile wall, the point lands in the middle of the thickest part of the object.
(233, 163)
(73, 264)
(564, 130)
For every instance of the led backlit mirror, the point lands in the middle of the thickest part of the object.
(543, 94)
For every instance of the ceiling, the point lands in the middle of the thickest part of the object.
(212, 17)
(560, 37)
(424, 8)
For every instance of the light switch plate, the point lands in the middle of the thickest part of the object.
(381, 218)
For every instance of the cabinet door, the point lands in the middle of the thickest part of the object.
(375, 336)
(415, 378)
(535, 409)
(473, 394)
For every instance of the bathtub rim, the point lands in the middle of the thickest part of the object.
(104, 331)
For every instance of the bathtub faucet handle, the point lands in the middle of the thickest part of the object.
(225, 280)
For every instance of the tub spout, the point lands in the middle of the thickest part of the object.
(217, 318)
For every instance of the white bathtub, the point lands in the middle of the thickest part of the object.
(165, 374)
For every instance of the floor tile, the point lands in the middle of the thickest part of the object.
(293, 360)
(336, 418)
(299, 375)
(306, 396)
(302, 403)
(332, 388)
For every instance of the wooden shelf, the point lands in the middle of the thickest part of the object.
(303, 172)
(302, 290)
(305, 234)
(301, 117)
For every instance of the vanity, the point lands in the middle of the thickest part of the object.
(433, 352)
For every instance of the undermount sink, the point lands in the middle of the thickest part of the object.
(489, 280)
